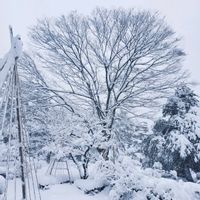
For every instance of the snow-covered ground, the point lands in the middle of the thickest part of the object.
(181, 190)
(148, 182)
(58, 192)
(55, 191)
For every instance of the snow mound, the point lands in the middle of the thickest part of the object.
(52, 180)
(90, 185)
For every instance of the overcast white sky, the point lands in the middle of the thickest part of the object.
(182, 15)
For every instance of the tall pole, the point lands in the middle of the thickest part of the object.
(20, 138)
(19, 123)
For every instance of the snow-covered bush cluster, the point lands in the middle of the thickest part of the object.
(126, 180)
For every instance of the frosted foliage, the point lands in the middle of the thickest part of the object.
(187, 96)
(71, 134)
(180, 143)
(185, 134)
(179, 132)
(128, 181)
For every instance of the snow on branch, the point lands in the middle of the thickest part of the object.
(9, 60)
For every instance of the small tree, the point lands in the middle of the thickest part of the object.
(176, 143)
(72, 138)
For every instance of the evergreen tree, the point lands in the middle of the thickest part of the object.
(176, 139)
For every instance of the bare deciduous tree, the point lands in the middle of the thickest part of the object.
(110, 60)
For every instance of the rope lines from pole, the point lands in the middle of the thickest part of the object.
(13, 129)
(10, 133)
(33, 171)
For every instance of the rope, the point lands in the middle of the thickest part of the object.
(15, 160)
(3, 122)
(11, 93)
(36, 179)
(4, 63)
(6, 105)
(28, 158)
(9, 140)
(28, 181)
(5, 91)
(15, 183)
(32, 169)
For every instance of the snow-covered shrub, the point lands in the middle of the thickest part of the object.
(106, 172)
(130, 182)
(176, 139)
(125, 187)
(125, 180)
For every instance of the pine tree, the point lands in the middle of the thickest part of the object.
(176, 139)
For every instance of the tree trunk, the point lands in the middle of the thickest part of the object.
(85, 171)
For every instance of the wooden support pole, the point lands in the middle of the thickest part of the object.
(19, 124)
(20, 138)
